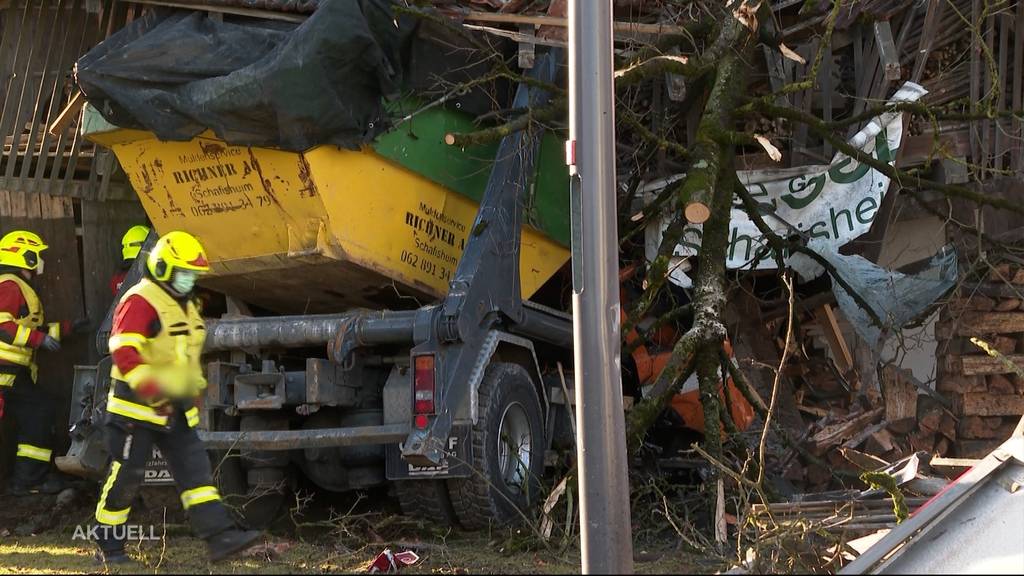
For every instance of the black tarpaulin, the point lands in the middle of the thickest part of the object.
(253, 82)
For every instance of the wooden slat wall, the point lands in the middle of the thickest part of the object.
(40, 40)
(46, 179)
(103, 224)
(60, 288)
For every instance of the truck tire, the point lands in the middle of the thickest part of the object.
(255, 512)
(162, 504)
(508, 451)
(426, 500)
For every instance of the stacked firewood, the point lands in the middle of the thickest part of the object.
(842, 417)
(985, 389)
(906, 420)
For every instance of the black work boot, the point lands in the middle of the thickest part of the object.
(111, 548)
(113, 557)
(23, 477)
(23, 484)
(54, 484)
(17, 489)
(230, 542)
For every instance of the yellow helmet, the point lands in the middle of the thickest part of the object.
(176, 250)
(21, 249)
(131, 242)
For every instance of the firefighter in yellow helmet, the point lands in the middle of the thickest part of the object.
(23, 331)
(131, 245)
(156, 341)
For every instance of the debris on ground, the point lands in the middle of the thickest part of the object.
(388, 561)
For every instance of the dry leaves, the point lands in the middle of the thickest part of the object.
(788, 53)
(770, 148)
(268, 550)
(747, 15)
(547, 523)
(679, 59)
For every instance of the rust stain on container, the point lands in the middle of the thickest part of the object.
(267, 186)
(308, 189)
(211, 148)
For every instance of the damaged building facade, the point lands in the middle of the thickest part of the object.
(383, 192)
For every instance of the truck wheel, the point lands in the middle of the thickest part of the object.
(508, 451)
(425, 500)
(253, 507)
(163, 504)
(254, 510)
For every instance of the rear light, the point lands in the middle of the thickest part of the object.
(423, 385)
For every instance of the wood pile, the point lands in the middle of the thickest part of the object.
(986, 393)
(840, 419)
(841, 515)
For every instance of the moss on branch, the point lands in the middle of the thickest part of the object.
(553, 111)
(903, 178)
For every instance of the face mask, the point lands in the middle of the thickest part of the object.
(184, 281)
(39, 268)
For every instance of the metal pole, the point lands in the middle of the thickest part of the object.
(605, 534)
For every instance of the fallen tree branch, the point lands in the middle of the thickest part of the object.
(775, 383)
(645, 413)
(812, 76)
(903, 178)
(658, 142)
(556, 109)
(656, 66)
(708, 181)
(748, 392)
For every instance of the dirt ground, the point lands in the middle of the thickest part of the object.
(37, 534)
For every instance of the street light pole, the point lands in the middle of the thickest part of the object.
(605, 529)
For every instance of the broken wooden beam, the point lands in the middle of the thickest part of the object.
(841, 431)
(887, 53)
(836, 342)
(69, 113)
(618, 26)
(900, 395)
(942, 462)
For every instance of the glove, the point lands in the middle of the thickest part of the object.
(50, 344)
(148, 391)
(81, 326)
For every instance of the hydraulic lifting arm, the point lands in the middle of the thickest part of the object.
(485, 291)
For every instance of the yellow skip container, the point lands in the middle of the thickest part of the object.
(310, 232)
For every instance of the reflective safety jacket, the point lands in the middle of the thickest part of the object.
(155, 338)
(21, 318)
